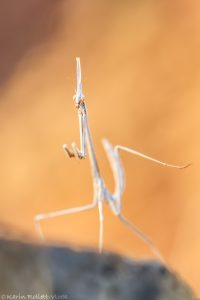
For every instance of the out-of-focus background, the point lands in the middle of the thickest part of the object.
(141, 77)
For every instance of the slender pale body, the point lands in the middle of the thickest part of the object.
(101, 193)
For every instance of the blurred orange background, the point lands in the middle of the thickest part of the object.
(141, 77)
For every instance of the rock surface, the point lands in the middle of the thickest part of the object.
(29, 271)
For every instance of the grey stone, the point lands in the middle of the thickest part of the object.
(29, 271)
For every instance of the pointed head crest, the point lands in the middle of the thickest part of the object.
(78, 97)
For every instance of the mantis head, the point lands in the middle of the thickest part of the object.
(79, 98)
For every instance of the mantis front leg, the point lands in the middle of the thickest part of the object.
(75, 152)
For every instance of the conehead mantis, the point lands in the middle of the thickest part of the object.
(100, 192)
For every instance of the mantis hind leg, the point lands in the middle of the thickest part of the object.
(142, 236)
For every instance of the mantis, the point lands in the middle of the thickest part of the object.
(100, 192)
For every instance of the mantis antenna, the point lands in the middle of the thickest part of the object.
(100, 192)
